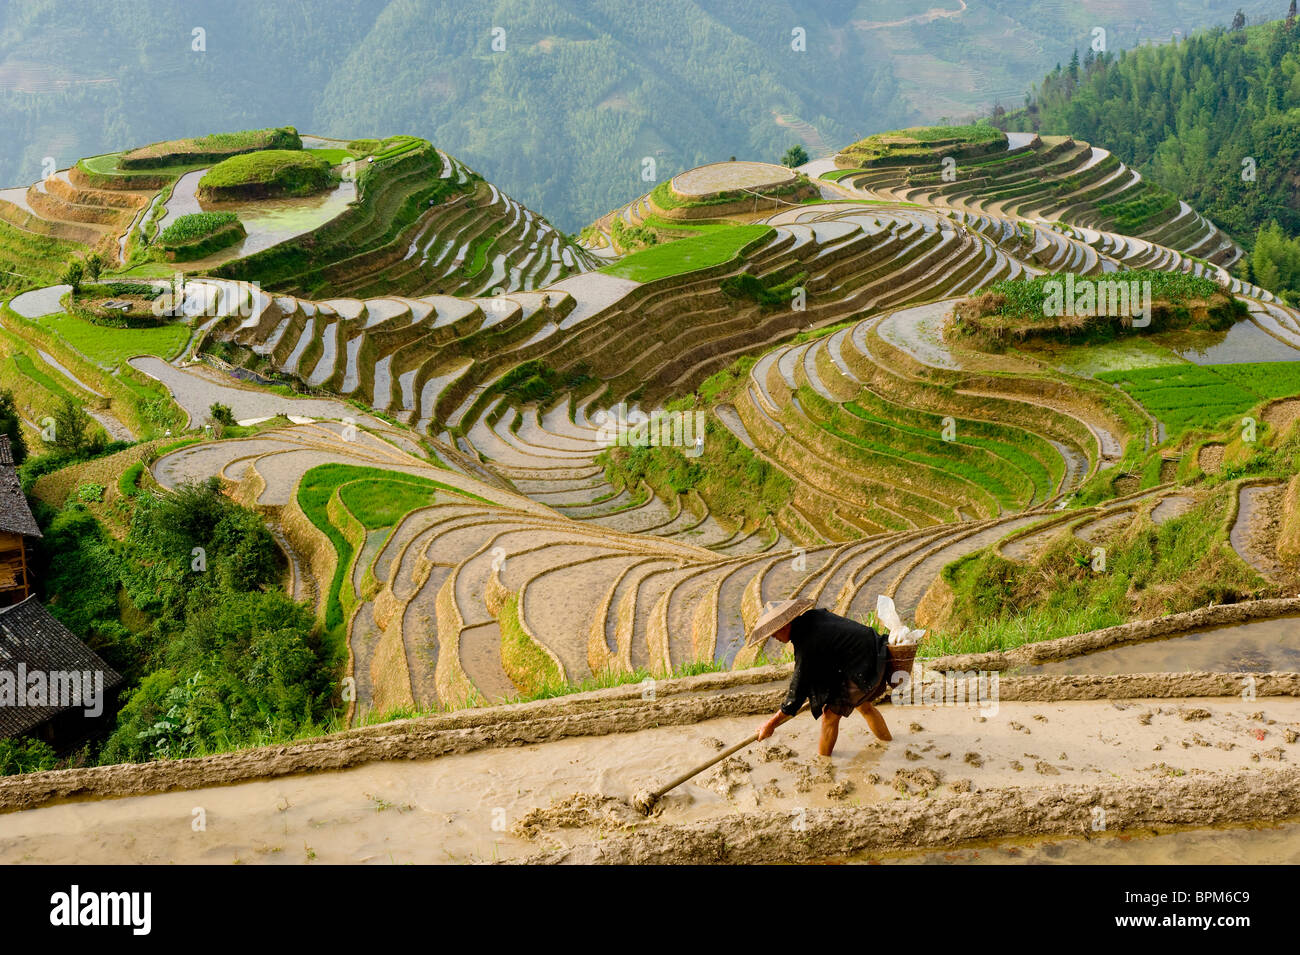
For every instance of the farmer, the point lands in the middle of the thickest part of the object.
(839, 666)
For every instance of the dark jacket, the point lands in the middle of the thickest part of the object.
(829, 651)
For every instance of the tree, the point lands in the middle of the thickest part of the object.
(71, 428)
(11, 425)
(73, 273)
(1238, 21)
(94, 266)
(796, 155)
(221, 414)
(1275, 260)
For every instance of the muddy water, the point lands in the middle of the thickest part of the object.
(460, 808)
(1265, 845)
(1254, 533)
(1243, 342)
(39, 302)
(268, 222)
(1255, 647)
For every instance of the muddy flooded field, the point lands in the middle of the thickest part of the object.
(268, 222)
(567, 794)
(1260, 646)
(1245, 845)
(1243, 342)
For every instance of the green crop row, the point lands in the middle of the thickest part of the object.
(1203, 396)
(197, 225)
(688, 255)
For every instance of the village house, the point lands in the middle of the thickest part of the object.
(51, 684)
(18, 530)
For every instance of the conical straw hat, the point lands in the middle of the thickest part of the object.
(777, 615)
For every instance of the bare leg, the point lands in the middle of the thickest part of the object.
(830, 732)
(876, 721)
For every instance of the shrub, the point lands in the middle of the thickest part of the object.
(25, 755)
(128, 485)
(222, 414)
(73, 273)
(90, 493)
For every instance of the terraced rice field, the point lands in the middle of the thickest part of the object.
(463, 537)
(904, 451)
(472, 530)
(1203, 396)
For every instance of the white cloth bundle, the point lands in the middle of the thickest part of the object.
(899, 635)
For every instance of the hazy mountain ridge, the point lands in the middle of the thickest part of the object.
(563, 117)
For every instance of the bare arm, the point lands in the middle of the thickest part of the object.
(790, 707)
(768, 727)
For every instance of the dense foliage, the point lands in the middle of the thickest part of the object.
(1215, 119)
(188, 608)
(563, 116)
(11, 425)
(1026, 298)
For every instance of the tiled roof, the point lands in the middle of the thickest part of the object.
(31, 636)
(15, 514)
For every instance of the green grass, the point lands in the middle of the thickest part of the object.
(207, 148)
(526, 663)
(27, 259)
(996, 440)
(129, 482)
(1152, 570)
(49, 381)
(107, 165)
(319, 484)
(921, 142)
(835, 175)
(687, 255)
(1204, 396)
(113, 346)
(335, 157)
(385, 501)
(691, 226)
(271, 172)
(149, 270)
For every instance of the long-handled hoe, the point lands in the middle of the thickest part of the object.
(645, 800)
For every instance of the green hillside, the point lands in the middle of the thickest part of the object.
(1213, 118)
(563, 116)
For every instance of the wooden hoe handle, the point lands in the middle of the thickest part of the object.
(730, 750)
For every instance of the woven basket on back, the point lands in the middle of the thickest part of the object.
(901, 658)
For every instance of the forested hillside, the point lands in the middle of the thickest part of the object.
(559, 108)
(1215, 119)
